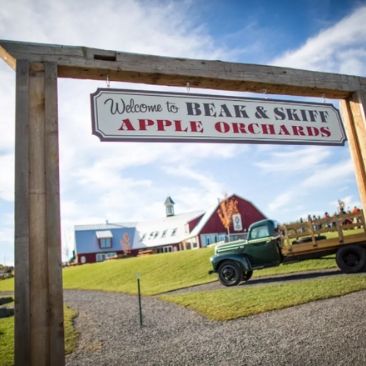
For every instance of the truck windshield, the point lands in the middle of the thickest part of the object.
(259, 232)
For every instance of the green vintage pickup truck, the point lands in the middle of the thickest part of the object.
(269, 244)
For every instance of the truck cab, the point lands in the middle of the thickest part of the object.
(235, 261)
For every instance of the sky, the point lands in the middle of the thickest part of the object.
(122, 182)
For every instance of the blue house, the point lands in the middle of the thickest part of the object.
(95, 243)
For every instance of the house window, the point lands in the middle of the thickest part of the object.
(105, 243)
(174, 231)
(166, 249)
(207, 239)
(163, 234)
(104, 239)
(100, 257)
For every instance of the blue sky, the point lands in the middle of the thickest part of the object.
(130, 181)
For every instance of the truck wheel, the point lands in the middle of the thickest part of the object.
(247, 275)
(230, 273)
(351, 259)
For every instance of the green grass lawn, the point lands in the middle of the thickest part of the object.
(7, 341)
(160, 273)
(303, 266)
(241, 301)
(7, 336)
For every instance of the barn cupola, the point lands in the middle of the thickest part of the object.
(169, 206)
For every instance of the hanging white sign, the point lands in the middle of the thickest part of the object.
(135, 115)
(237, 223)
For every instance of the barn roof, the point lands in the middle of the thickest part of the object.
(196, 231)
(169, 201)
(164, 231)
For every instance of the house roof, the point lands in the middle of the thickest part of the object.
(164, 231)
(105, 226)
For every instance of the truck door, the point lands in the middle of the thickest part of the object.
(261, 248)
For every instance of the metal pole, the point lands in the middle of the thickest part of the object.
(139, 298)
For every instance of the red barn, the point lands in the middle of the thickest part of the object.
(210, 229)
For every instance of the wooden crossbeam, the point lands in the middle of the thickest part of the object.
(90, 63)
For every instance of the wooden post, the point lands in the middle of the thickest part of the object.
(353, 113)
(22, 265)
(55, 304)
(39, 337)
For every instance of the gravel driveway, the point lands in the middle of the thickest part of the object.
(329, 332)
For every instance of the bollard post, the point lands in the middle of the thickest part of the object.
(138, 277)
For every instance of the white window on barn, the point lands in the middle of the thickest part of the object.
(100, 257)
(166, 249)
(104, 239)
(207, 239)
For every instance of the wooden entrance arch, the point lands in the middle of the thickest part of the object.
(39, 333)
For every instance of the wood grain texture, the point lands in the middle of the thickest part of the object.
(37, 221)
(53, 228)
(90, 63)
(39, 331)
(355, 140)
(21, 238)
(358, 108)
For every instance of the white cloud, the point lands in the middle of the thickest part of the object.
(326, 178)
(7, 111)
(163, 28)
(7, 177)
(281, 201)
(349, 202)
(94, 182)
(340, 48)
(329, 175)
(290, 161)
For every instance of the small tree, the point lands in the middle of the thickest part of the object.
(125, 242)
(227, 208)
